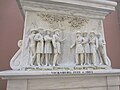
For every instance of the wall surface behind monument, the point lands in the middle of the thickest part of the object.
(11, 29)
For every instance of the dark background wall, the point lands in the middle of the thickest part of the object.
(11, 28)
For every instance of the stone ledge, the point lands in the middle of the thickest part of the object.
(58, 73)
(99, 7)
(109, 80)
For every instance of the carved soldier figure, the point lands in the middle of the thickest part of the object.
(32, 46)
(56, 41)
(86, 47)
(48, 47)
(93, 47)
(101, 48)
(79, 48)
(40, 46)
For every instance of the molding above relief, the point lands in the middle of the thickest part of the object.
(87, 8)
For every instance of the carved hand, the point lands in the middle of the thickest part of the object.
(63, 40)
(71, 46)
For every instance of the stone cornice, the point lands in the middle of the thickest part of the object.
(97, 8)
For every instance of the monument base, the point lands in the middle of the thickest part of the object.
(62, 80)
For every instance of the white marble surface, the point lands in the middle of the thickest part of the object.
(64, 73)
(67, 15)
(44, 80)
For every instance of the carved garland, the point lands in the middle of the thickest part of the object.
(73, 21)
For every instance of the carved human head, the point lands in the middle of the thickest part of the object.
(48, 32)
(33, 31)
(85, 33)
(41, 30)
(99, 35)
(92, 34)
(78, 33)
(57, 31)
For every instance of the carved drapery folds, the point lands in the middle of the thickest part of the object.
(90, 48)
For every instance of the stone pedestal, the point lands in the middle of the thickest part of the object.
(63, 47)
(62, 80)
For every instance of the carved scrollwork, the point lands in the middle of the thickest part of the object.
(51, 18)
(20, 43)
(73, 21)
(77, 22)
(15, 62)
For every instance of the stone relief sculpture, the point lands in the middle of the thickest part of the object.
(93, 47)
(101, 49)
(79, 48)
(45, 49)
(62, 39)
(86, 48)
(32, 46)
(39, 38)
(48, 47)
(89, 48)
(42, 47)
(56, 41)
(52, 19)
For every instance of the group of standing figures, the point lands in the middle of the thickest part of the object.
(88, 46)
(40, 46)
